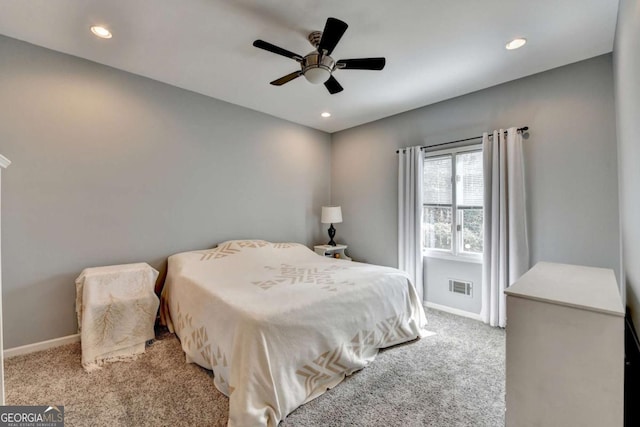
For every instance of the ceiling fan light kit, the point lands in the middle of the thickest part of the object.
(318, 66)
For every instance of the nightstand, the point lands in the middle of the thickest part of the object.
(336, 251)
(116, 308)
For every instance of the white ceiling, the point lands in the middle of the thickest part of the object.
(435, 49)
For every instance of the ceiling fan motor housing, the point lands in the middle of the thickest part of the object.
(317, 68)
(314, 38)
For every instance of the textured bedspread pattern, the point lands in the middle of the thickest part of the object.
(279, 325)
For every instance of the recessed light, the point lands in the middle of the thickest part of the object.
(516, 43)
(101, 32)
(326, 114)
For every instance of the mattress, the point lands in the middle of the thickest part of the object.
(279, 324)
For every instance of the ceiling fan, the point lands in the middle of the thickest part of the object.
(317, 67)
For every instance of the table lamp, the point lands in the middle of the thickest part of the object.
(331, 215)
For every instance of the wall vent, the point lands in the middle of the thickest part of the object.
(461, 287)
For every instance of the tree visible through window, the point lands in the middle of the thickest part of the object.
(453, 214)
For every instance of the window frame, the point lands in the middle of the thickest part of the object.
(456, 235)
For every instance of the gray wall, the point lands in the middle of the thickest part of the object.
(437, 273)
(113, 168)
(570, 161)
(627, 69)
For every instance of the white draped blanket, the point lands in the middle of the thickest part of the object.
(116, 308)
(279, 324)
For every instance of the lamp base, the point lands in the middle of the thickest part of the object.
(332, 233)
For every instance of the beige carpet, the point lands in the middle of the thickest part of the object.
(455, 378)
(156, 389)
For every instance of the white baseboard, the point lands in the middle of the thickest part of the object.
(455, 311)
(43, 345)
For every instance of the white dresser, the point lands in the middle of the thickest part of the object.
(565, 348)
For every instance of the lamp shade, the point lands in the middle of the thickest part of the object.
(331, 215)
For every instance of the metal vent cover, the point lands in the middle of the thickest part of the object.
(461, 287)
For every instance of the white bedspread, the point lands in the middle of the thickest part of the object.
(279, 324)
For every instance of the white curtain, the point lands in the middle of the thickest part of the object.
(506, 247)
(410, 166)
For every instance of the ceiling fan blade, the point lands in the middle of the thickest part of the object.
(287, 78)
(333, 31)
(278, 50)
(361, 64)
(333, 86)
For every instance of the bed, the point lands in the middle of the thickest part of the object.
(279, 324)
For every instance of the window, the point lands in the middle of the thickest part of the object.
(453, 208)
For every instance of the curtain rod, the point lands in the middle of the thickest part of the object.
(522, 129)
